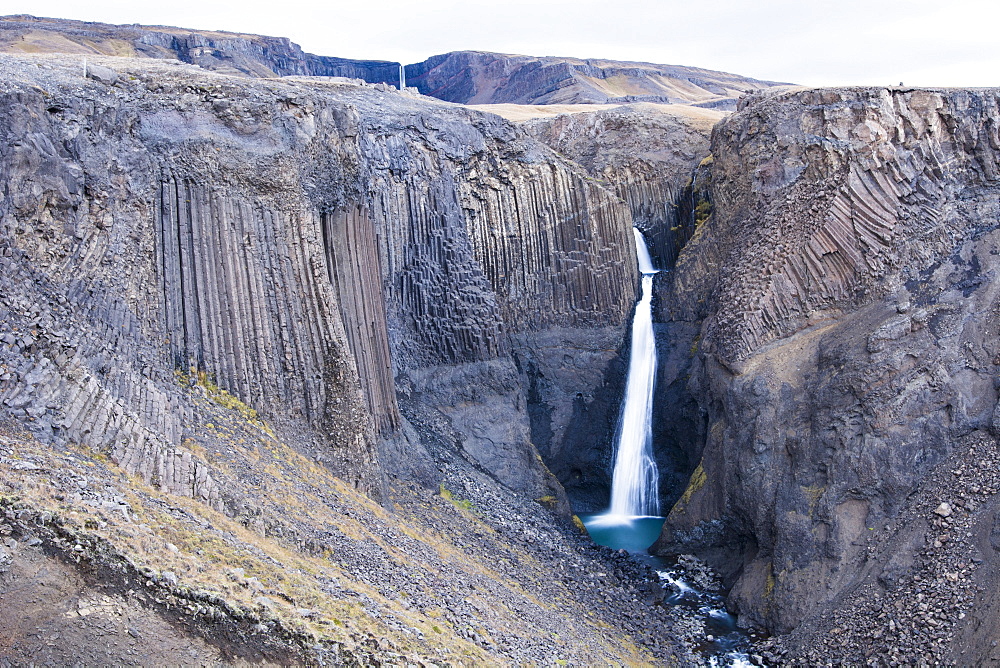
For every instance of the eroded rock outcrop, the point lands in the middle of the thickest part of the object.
(845, 286)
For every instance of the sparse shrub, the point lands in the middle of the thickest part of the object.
(702, 212)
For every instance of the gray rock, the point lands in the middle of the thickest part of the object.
(105, 75)
(944, 510)
(822, 408)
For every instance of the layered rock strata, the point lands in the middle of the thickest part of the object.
(467, 77)
(838, 307)
(477, 77)
(231, 53)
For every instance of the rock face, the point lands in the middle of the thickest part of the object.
(840, 308)
(645, 153)
(232, 53)
(477, 77)
(311, 249)
(234, 310)
(155, 239)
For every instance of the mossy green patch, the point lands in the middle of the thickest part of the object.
(461, 504)
(697, 481)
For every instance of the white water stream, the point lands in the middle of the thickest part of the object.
(635, 482)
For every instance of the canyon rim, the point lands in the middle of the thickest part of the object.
(298, 365)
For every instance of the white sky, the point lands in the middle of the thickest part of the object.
(813, 42)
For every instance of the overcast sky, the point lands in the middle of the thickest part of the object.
(813, 42)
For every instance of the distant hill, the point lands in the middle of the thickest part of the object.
(467, 77)
(234, 53)
(476, 77)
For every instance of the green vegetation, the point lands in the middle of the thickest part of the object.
(702, 212)
(461, 504)
(698, 480)
(769, 586)
(813, 493)
(223, 398)
(548, 501)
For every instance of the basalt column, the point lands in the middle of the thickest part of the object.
(355, 270)
(247, 300)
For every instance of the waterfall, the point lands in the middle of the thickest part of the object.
(635, 483)
(402, 76)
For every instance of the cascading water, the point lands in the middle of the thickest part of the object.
(632, 522)
(635, 482)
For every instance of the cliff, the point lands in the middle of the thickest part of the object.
(467, 77)
(842, 291)
(476, 77)
(231, 53)
(233, 308)
(645, 153)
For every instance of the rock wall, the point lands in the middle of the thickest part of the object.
(150, 246)
(476, 77)
(838, 307)
(306, 249)
(356, 271)
(646, 154)
(489, 263)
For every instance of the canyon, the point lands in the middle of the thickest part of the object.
(298, 367)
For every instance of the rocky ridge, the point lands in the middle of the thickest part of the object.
(841, 292)
(477, 77)
(230, 53)
(467, 77)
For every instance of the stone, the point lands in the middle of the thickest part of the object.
(944, 509)
(104, 75)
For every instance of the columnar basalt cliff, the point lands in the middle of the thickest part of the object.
(459, 255)
(231, 306)
(646, 154)
(175, 258)
(846, 292)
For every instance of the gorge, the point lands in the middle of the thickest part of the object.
(296, 366)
